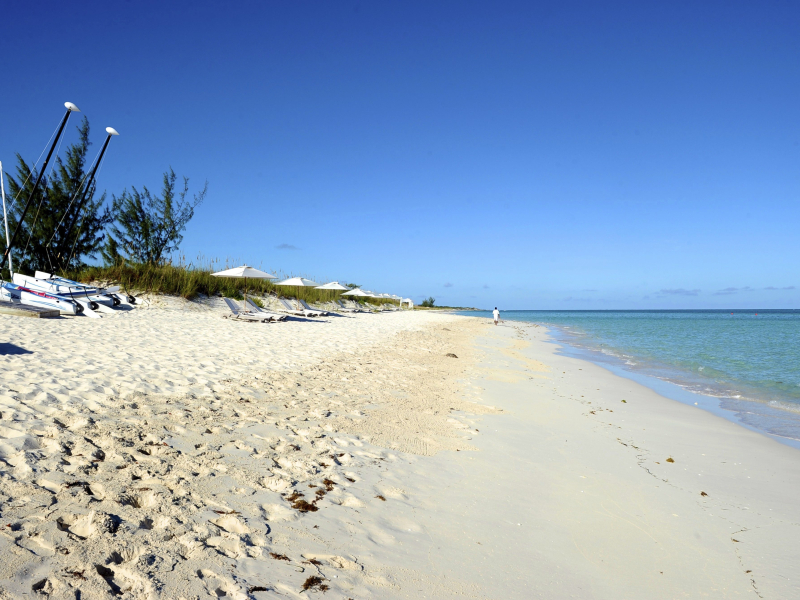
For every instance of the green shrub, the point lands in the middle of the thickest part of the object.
(428, 302)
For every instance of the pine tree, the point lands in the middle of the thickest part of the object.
(110, 253)
(43, 242)
(149, 227)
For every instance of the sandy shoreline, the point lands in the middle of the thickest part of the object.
(168, 453)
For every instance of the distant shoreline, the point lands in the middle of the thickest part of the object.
(772, 412)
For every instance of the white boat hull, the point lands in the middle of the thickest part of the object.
(21, 295)
(90, 297)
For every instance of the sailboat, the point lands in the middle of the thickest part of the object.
(17, 294)
(20, 294)
(43, 288)
(94, 298)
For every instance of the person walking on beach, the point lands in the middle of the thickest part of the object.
(496, 314)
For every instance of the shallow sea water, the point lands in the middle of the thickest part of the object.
(748, 359)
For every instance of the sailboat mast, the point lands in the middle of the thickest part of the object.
(70, 109)
(68, 231)
(5, 216)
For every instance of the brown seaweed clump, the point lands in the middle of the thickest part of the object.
(277, 556)
(300, 503)
(315, 583)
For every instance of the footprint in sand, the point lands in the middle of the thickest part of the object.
(231, 524)
(226, 545)
(122, 581)
(50, 486)
(81, 525)
(46, 587)
(221, 586)
(277, 513)
(158, 522)
(96, 489)
(37, 544)
(141, 499)
(348, 501)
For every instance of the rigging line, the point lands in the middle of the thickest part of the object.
(80, 228)
(47, 251)
(30, 171)
(41, 201)
(75, 195)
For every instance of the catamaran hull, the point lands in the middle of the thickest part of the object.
(20, 295)
(95, 299)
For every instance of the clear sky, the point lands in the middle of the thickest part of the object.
(518, 154)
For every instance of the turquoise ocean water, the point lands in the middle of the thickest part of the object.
(749, 360)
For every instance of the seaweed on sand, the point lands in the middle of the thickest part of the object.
(299, 503)
(315, 583)
(277, 556)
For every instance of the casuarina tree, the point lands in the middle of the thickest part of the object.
(149, 227)
(43, 242)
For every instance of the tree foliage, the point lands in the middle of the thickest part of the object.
(147, 227)
(43, 242)
(429, 302)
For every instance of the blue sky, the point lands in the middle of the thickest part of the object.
(518, 154)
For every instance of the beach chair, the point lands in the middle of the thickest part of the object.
(258, 310)
(305, 305)
(288, 308)
(344, 308)
(243, 315)
(355, 306)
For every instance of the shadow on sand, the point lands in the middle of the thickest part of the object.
(10, 349)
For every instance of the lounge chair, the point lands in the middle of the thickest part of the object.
(305, 305)
(288, 308)
(255, 308)
(344, 308)
(356, 306)
(243, 315)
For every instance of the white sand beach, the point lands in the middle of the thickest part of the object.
(166, 452)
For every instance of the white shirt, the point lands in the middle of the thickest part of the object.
(496, 314)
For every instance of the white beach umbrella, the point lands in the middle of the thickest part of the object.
(356, 292)
(298, 282)
(333, 285)
(244, 272)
